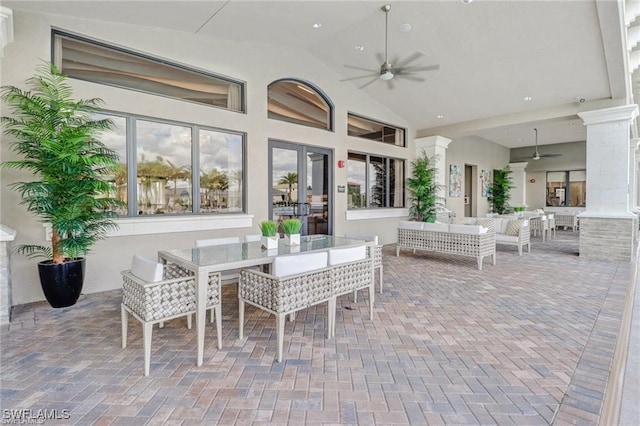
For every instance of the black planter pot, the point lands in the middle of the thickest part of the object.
(62, 283)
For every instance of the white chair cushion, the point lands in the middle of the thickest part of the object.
(437, 227)
(293, 265)
(146, 269)
(365, 237)
(468, 229)
(346, 255)
(504, 238)
(503, 226)
(411, 225)
(217, 241)
(252, 238)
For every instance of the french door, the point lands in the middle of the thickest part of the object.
(300, 186)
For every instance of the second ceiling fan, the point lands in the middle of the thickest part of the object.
(390, 71)
(536, 155)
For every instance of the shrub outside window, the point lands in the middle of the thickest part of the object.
(374, 181)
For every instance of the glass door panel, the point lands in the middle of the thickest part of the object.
(300, 186)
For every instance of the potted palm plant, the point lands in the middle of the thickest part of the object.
(56, 136)
(423, 189)
(291, 228)
(499, 191)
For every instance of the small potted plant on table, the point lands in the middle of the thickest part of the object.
(291, 228)
(269, 230)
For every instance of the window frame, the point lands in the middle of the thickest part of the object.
(132, 166)
(387, 190)
(380, 123)
(567, 187)
(56, 32)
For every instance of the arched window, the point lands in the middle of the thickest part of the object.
(298, 102)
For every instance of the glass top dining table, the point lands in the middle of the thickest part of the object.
(204, 260)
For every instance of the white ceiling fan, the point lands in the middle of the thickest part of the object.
(388, 71)
(536, 155)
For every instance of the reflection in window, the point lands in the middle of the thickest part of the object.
(86, 59)
(221, 160)
(163, 154)
(116, 139)
(383, 178)
(567, 188)
(160, 179)
(374, 130)
(299, 103)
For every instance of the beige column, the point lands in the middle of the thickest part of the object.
(607, 227)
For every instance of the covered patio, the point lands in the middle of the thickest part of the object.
(528, 341)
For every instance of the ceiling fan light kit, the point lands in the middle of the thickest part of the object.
(388, 71)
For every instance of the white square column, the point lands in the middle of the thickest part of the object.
(607, 227)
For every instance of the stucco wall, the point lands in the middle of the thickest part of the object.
(257, 64)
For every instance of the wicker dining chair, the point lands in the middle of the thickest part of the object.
(154, 293)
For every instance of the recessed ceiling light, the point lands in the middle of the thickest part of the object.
(440, 116)
(317, 25)
(405, 28)
(359, 47)
(527, 98)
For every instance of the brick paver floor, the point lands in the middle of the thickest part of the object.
(528, 341)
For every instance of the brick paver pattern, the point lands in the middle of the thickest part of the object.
(528, 341)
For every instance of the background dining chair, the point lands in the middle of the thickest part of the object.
(153, 293)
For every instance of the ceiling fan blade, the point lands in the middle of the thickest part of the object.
(361, 68)
(550, 155)
(410, 77)
(425, 68)
(408, 60)
(368, 83)
(360, 76)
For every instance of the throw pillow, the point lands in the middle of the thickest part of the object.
(513, 228)
(487, 223)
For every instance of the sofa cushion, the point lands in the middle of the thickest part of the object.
(502, 229)
(467, 229)
(488, 223)
(513, 227)
(437, 227)
(504, 238)
(411, 225)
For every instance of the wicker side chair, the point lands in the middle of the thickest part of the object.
(377, 254)
(297, 282)
(153, 293)
(540, 224)
(351, 270)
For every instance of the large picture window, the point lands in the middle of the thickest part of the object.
(567, 188)
(176, 168)
(86, 59)
(374, 181)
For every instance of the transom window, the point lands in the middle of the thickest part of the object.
(299, 103)
(86, 59)
(374, 130)
(176, 168)
(567, 188)
(374, 181)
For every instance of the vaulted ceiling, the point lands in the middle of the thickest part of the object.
(562, 56)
